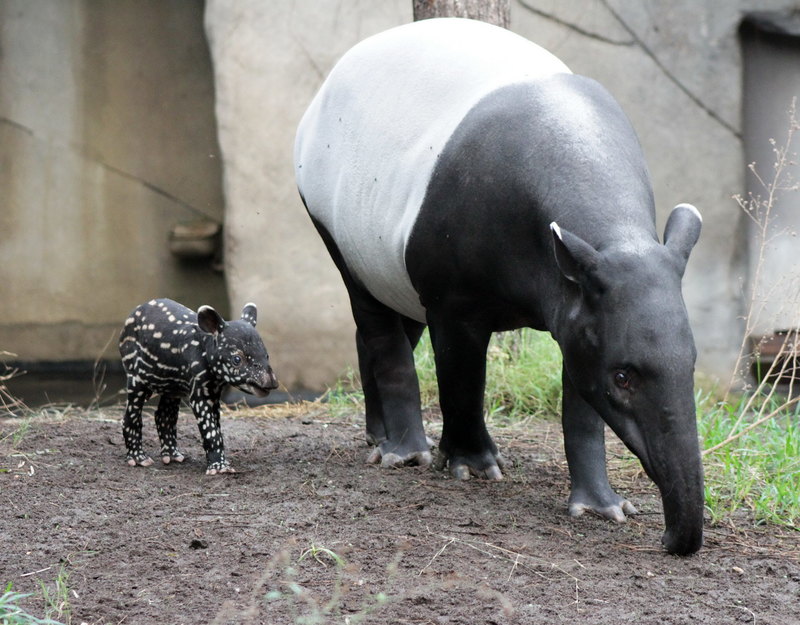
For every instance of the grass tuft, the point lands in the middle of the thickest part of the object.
(311, 606)
(57, 600)
(757, 469)
(523, 376)
(9, 405)
(12, 614)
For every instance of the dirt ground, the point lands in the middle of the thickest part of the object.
(305, 532)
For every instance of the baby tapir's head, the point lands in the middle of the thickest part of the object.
(237, 354)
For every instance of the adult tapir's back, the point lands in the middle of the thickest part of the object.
(368, 145)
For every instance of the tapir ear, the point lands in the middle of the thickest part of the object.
(682, 231)
(576, 259)
(250, 313)
(209, 320)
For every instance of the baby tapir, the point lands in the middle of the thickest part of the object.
(170, 350)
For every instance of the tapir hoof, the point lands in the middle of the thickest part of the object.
(394, 460)
(176, 456)
(462, 468)
(139, 460)
(462, 472)
(224, 468)
(615, 512)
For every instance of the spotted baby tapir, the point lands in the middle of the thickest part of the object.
(169, 350)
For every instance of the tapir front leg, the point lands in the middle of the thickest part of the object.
(206, 410)
(584, 444)
(460, 352)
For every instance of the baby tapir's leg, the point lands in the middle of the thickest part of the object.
(206, 410)
(167, 426)
(138, 394)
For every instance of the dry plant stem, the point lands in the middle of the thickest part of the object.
(99, 373)
(760, 212)
(530, 563)
(784, 360)
(8, 402)
(779, 410)
(776, 370)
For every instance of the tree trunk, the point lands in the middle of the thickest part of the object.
(495, 12)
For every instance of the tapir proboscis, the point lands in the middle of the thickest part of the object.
(464, 178)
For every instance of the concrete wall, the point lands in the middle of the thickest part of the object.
(107, 139)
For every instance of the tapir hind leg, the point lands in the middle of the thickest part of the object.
(138, 394)
(376, 430)
(585, 448)
(460, 352)
(385, 341)
(391, 387)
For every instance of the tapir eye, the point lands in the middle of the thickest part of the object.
(623, 379)
(236, 360)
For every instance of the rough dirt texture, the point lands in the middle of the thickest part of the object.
(170, 545)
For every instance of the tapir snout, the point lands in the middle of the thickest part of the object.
(671, 458)
(264, 382)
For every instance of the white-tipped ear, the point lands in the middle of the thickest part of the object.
(682, 232)
(691, 208)
(250, 313)
(209, 320)
(576, 259)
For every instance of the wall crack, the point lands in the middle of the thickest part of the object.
(575, 28)
(635, 40)
(110, 168)
(672, 77)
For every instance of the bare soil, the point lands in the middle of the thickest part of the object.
(305, 532)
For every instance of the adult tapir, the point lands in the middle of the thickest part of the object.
(462, 177)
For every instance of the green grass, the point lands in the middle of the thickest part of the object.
(16, 435)
(56, 598)
(12, 614)
(523, 375)
(760, 470)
